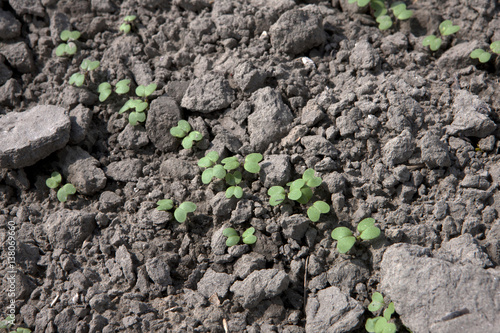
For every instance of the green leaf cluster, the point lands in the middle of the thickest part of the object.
(183, 131)
(105, 89)
(87, 65)
(380, 324)
(484, 56)
(55, 181)
(69, 48)
(380, 11)
(139, 106)
(345, 238)
(233, 238)
(8, 322)
(180, 213)
(446, 28)
(126, 26)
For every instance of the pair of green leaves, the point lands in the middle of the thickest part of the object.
(345, 239)
(317, 208)
(121, 87)
(126, 26)
(183, 131)
(233, 238)
(300, 189)
(87, 65)
(484, 56)
(384, 21)
(180, 213)
(138, 105)
(446, 28)
(233, 179)
(380, 324)
(227, 164)
(62, 194)
(70, 47)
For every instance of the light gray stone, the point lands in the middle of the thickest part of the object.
(80, 118)
(208, 93)
(159, 271)
(33, 7)
(163, 114)
(458, 56)
(275, 170)
(67, 229)
(176, 168)
(318, 145)
(133, 137)
(125, 171)
(124, 260)
(364, 56)
(29, 136)
(215, 283)
(249, 263)
(10, 27)
(249, 78)
(434, 152)
(19, 56)
(294, 226)
(399, 149)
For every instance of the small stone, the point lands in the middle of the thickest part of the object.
(215, 283)
(125, 171)
(275, 170)
(80, 118)
(399, 149)
(364, 56)
(434, 152)
(249, 78)
(208, 93)
(19, 56)
(249, 263)
(159, 271)
(133, 137)
(67, 229)
(176, 168)
(163, 114)
(10, 27)
(294, 226)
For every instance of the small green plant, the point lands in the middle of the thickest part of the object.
(180, 213)
(300, 190)
(126, 26)
(380, 324)
(484, 56)
(55, 181)
(183, 131)
(380, 11)
(446, 28)
(8, 322)
(233, 238)
(345, 239)
(78, 79)
(139, 106)
(69, 48)
(121, 87)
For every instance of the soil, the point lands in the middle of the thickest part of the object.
(397, 132)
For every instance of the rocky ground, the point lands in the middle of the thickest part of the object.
(397, 132)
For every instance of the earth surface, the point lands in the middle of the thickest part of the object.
(397, 132)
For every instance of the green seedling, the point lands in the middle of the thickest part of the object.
(380, 324)
(126, 26)
(252, 162)
(183, 131)
(8, 322)
(345, 239)
(55, 181)
(145, 91)
(233, 238)
(318, 208)
(484, 56)
(78, 79)
(233, 179)
(446, 28)
(70, 47)
(180, 213)
(212, 168)
(380, 11)
(138, 105)
(121, 87)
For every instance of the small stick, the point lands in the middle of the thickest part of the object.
(54, 301)
(305, 284)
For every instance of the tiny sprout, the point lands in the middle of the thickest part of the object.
(145, 91)
(446, 28)
(252, 162)
(181, 131)
(277, 194)
(231, 163)
(70, 47)
(122, 87)
(233, 238)
(79, 78)
(318, 208)
(400, 11)
(345, 239)
(104, 91)
(65, 191)
(380, 324)
(209, 160)
(233, 180)
(248, 236)
(377, 302)
(180, 213)
(54, 181)
(135, 116)
(484, 56)
(212, 168)
(127, 26)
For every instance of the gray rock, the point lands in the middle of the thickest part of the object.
(470, 116)
(218, 241)
(346, 125)
(458, 56)
(275, 170)
(399, 149)
(222, 206)
(80, 118)
(58, 22)
(260, 285)
(347, 274)
(72, 96)
(411, 270)
(109, 201)
(464, 249)
(487, 144)
(394, 43)
(125, 171)
(66, 321)
(248, 263)
(5, 73)
(81, 170)
(33, 7)
(335, 182)
(159, 271)
(330, 310)
(67, 229)
(208, 93)
(475, 181)
(10, 27)
(163, 114)
(243, 211)
(100, 302)
(133, 137)
(102, 6)
(29, 136)
(215, 283)
(176, 168)
(10, 93)
(19, 56)
(318, 145)
(294, 226)
(124, 260)
(364, 56)
(269, 120)
(311, 114)
(176, 90)
(249, 78)
(434, 152)
(298, 31)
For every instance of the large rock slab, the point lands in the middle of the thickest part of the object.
(209, 93)
(436, 295)
(269, 120)
(330, 310)
(27, 137)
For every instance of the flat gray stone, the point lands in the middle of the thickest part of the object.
(125, 171)
(275, 170)
(209, 93)
(427, 291)
(319, 146)
(294, 226)
(124, 260)
(67, 229)
(434, 152)
(159, 271)
(10, 27)
(458, 56)
(215, 283)
(80, 117)
(29, 136)
(19, 56)
(133, 137)
(249, 78)
(163, 114)
(364, 56)
(176, 168)
(330, 310)
(260, 285)
(269, 120)
(399, 149)
(249, 263)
